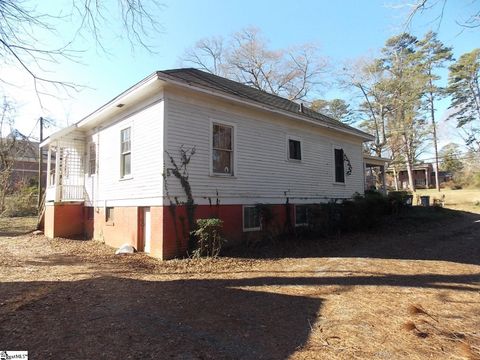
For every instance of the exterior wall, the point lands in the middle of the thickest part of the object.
(145, 185)
(263, 173)
(64, 220)
(122, 230)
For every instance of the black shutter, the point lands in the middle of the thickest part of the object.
(339, 167)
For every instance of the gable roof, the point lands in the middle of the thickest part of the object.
(202, 79)
(216, 85)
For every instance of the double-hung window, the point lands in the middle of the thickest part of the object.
(125, 153)
(222, 149)
(339, 166)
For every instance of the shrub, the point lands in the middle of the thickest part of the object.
(22, 202)
(209, 239)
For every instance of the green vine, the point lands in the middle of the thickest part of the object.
(180, 172)
(349, 165)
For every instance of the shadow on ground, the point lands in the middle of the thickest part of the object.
(112, 317)
(416, 234)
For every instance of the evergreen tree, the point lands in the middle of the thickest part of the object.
(463, 86)
(434, 55)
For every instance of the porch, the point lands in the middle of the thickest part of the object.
(66, 171)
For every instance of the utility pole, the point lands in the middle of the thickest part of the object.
(40, 166)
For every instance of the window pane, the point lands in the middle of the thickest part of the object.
(222, 161)
(126, 164)
(294, 149)
(222, 137)
(301, 214)
(251, 217)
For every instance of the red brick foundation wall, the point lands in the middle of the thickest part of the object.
(175, 232)
(169, 226)
(64, 220)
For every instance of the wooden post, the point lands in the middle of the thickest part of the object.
(40, 165)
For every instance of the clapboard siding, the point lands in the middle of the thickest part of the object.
(263, 173)
(145, 186)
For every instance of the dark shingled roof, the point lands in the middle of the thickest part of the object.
(209, 81)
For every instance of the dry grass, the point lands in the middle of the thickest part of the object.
(463, 199)
(17, 225)
(392, 294)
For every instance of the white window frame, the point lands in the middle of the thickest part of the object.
(287, 146)
(90, 144)
(335, 182)
(234, 148)
(126, 176)
(243, 220)
(295, 214)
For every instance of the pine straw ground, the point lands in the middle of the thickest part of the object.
(409, 290)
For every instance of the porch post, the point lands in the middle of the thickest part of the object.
(57, 174)
(427, 175)
(49, 157)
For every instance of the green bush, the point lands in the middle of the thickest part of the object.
(22, 202)
(209, 238)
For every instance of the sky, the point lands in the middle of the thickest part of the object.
(344, 30)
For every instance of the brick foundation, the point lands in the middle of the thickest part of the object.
(169, 226)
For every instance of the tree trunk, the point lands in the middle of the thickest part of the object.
(409, 163)
(395, 177)
(435, 142)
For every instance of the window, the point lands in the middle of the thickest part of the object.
(339, 166)
(92, 158)
(294, 149)
(251, 218)
(222, 149)
(125, 153)
(301, 215)
(109, 214)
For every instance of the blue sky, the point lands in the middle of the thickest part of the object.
(343, 29)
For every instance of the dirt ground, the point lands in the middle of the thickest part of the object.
(410, 290)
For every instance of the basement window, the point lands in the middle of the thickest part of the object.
(109, 214)
(301, 215)
(251, 218)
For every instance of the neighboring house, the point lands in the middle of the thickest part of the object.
(25, 163)
(423, 177)
(110, 176)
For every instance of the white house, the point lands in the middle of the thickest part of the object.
(114, 181)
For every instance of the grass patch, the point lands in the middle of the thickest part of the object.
(17, 226)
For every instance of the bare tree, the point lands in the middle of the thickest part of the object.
(207, 54)
(437, 7)
(19, 46)
(246, 57)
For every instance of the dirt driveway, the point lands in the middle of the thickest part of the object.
(398, 293)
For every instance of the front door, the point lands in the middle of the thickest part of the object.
(147, 229)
